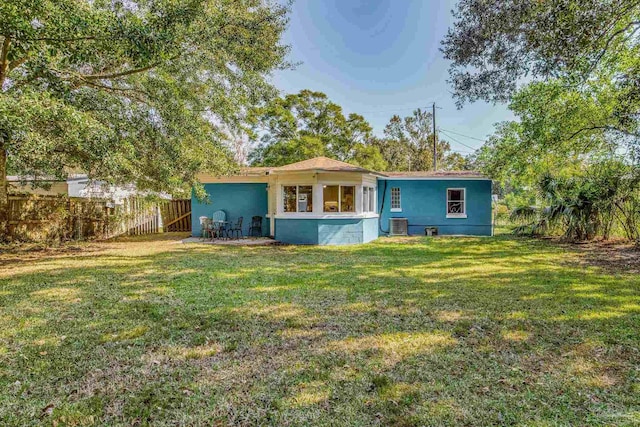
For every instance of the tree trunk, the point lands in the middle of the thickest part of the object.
(4, 190)
(4, 196)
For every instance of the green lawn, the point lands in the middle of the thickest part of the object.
(414, 331)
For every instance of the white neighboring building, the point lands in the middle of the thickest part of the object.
(79, 185)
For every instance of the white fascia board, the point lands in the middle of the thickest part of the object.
(433, 178)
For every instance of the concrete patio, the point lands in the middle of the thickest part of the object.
(246, 241)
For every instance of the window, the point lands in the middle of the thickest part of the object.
(298, 198)
(365, 199)
(330, 198)
(368, 199)
(347, 198)
(372, 199)
(456, 202)
(290, 195)
(395, 200)
(338, 198)
(305, 198)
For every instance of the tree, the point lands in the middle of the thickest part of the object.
(308, 124)
(570, 70)
(397, 153)
(589, 203)
(495, 44)
(587, 48)
(581, 183)
(559, 130)
(408, 145)
(141, 91)
(279, 153)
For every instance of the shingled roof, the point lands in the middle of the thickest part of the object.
(317, 163)
(321, 163)
(435, 174)
(326, 164)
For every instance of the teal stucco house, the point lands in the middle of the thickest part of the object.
(322, 201)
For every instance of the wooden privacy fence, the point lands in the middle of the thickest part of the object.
(38, 218)
(176, 215)
(138, 217)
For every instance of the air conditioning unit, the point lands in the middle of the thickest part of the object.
(398, 226)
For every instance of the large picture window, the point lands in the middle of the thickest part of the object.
(338, 198)
(456, 202)
(298, 198)
(395, 199)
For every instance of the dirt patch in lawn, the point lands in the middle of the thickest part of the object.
(25, 252)
(20, 252)
(612, 256)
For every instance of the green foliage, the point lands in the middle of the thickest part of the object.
(307, 124)
(494, 45)
(602, 199)
(142, 91)
(408, 145)
(524, 213)
(519, 197)
(579, 62)
(565, 132)
(280, 153)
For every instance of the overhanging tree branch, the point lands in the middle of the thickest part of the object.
(603, 127)
(16, 63)
(610, 40)
(120, 74)
(65, 40)
(133, 93)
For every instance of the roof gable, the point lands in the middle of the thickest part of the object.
(320, 163)
(326, 164)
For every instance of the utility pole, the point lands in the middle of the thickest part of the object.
(435, 138)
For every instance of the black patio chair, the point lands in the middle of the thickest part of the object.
(237, 229)
(218, 230)
(256, 226)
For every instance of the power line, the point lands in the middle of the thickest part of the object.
(462, 151)
(461, 134)
(392, 111)
(459, 142)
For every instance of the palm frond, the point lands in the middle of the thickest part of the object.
(524, 214)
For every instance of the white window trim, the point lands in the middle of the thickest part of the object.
(399, 200)
(373, 199)
(370, 206)
(464, 203)
(326, 215)
(297, 206)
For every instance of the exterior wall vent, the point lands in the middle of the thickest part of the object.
(398, 226)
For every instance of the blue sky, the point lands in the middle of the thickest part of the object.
(379, 58)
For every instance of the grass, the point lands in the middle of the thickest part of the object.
(404, 332)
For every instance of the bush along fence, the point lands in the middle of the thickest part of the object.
(51, 218)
